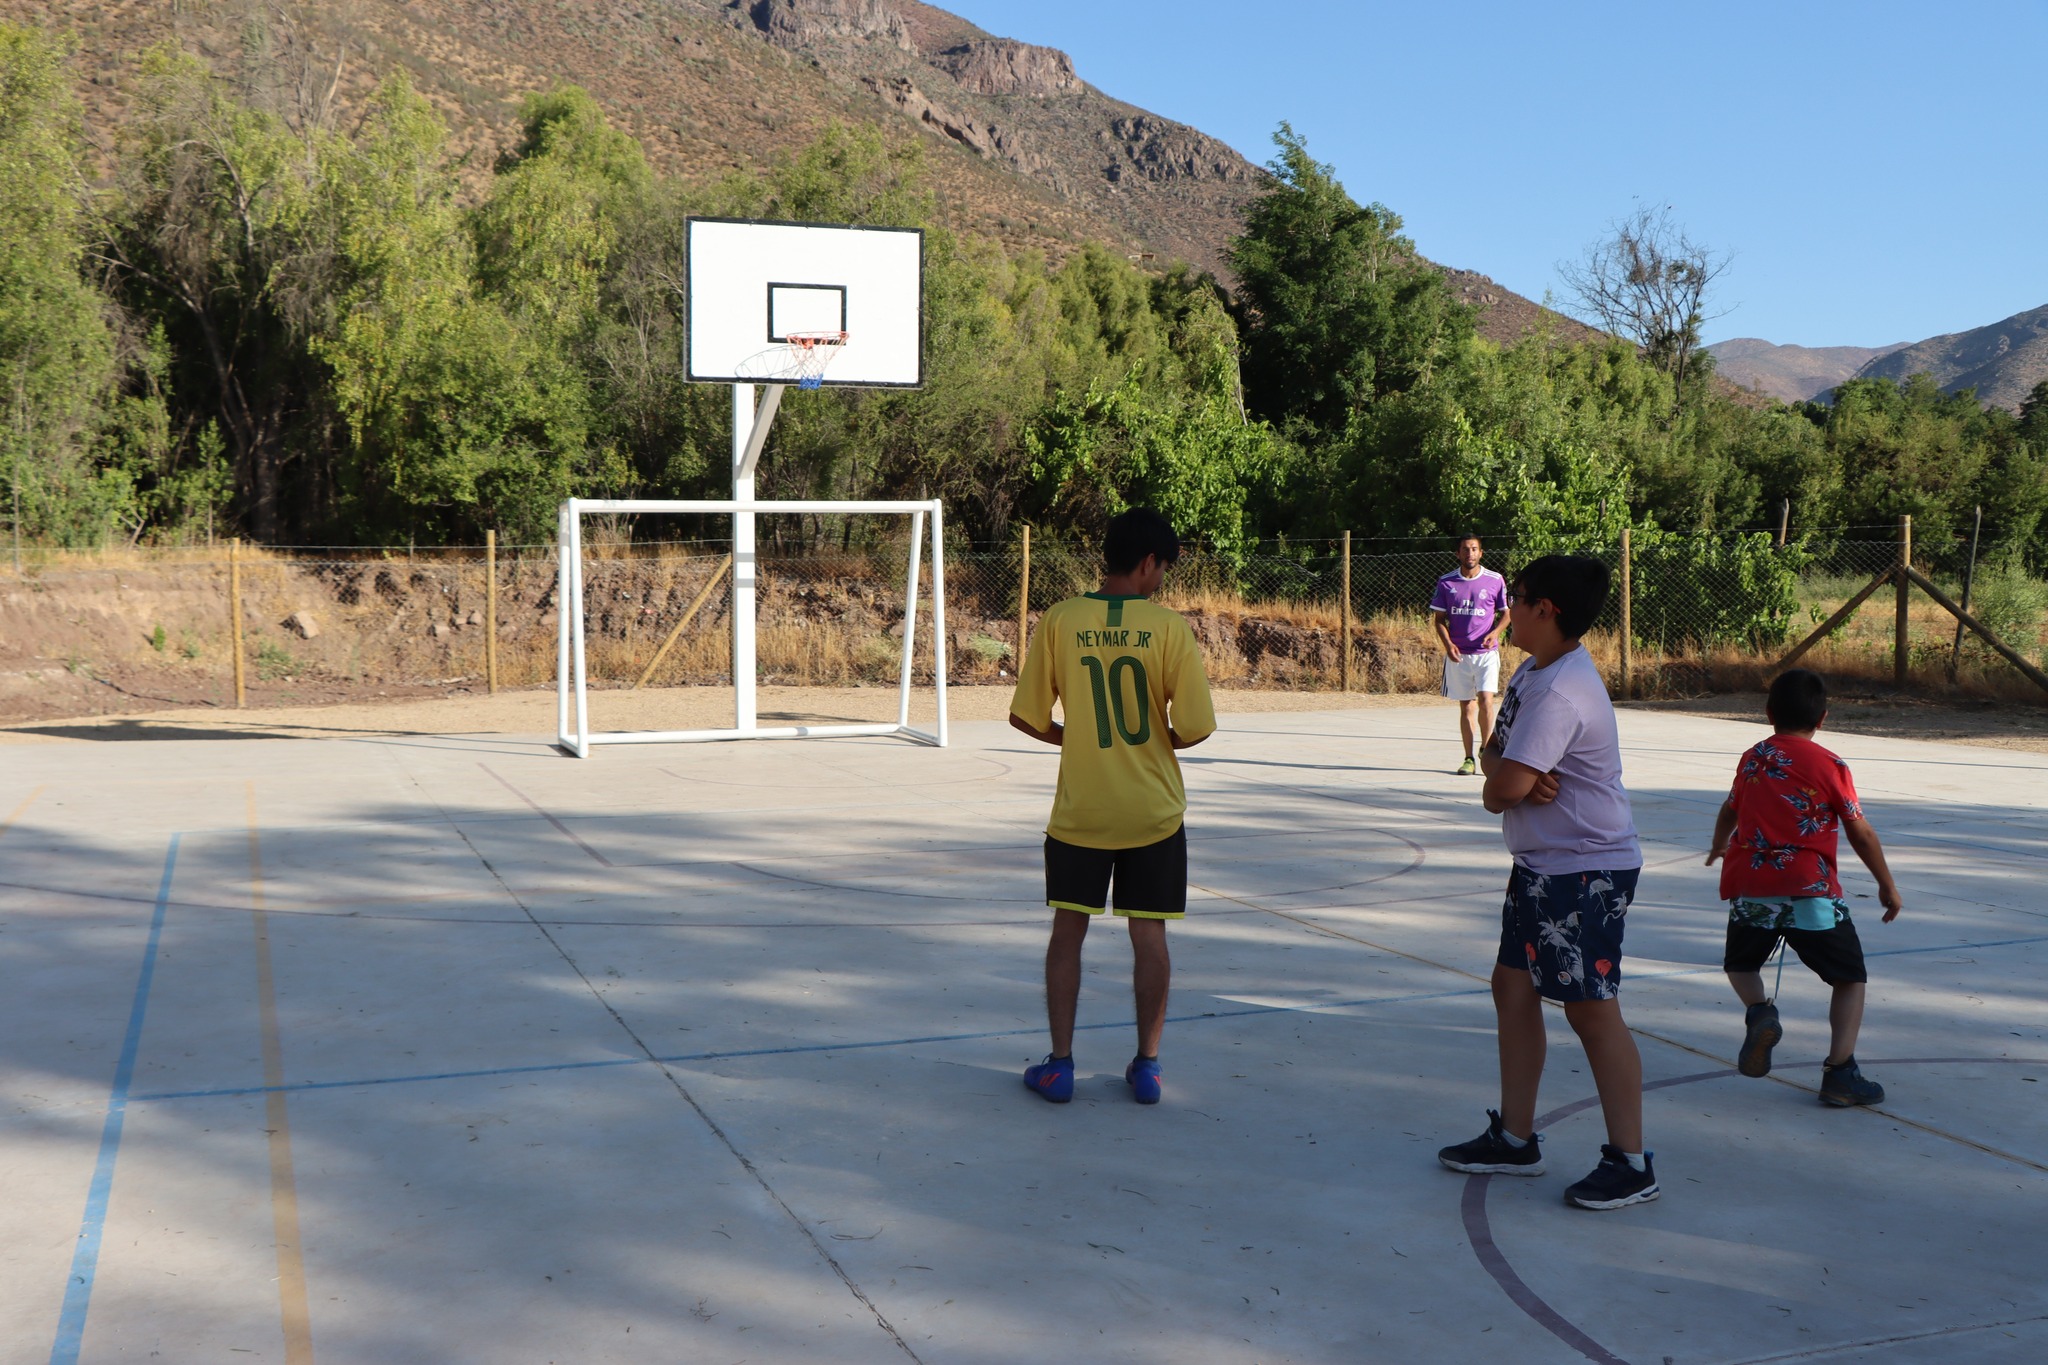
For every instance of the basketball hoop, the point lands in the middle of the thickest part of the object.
(811, 352)
(800, 359)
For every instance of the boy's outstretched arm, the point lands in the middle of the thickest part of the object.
(1724, 825)
(1863, 839)
(1054, 736)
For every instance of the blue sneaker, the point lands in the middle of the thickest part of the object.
(1053, 1079)
(1142, 1075)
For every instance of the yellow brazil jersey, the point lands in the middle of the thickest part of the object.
(1123, 670)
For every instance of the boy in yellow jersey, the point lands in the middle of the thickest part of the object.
(1128, 677)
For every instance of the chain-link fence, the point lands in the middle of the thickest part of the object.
(1705, 611)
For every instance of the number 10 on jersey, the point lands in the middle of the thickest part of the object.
(1108, 686)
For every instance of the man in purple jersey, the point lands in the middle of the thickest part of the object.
(1469, 612)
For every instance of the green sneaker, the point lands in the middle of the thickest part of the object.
(1468, 767)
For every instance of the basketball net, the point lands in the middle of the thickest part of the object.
(809, 353)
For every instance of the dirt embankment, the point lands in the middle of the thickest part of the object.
(110, 638)
(114, 638)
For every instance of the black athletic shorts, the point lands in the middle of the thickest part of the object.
(1835, 955)
(1151, 880)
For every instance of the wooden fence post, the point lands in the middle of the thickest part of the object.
(1900, 648)
(2005, 651)
(1344, 621)
(1784, 520)
(1628, 630)
(491, 611)
(1023, 601)
(1955, 656)
(235, 616)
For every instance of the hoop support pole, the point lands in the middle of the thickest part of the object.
(757, 434)
(747, 424)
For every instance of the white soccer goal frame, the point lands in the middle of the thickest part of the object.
(572, 711)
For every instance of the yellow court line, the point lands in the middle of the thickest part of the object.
(28, 801)
(293, 1307)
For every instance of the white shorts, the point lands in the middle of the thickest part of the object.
(1465, 678)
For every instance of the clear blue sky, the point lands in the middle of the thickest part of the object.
(1878, 170)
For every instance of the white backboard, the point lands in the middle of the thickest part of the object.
(753, 284)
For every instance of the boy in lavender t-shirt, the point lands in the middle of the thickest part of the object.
(1468, 612)
(1553, 773)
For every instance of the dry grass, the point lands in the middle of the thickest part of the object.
(390, 617)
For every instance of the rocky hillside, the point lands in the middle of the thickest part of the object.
(2002, 362)
(1022, 148)
(1791, 374)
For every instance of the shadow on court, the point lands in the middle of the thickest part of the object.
(412, 1015)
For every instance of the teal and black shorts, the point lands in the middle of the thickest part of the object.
(1835, 955)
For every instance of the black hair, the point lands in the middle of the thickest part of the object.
(1575, 585)
(1798, 700)
(1469, 535)
(1134, 534)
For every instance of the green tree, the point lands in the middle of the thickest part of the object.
(1195, 460)
(463, 408)
(1650, 282)
(2034, 415)
(209, 233)
(58, 363)
(1335, 307)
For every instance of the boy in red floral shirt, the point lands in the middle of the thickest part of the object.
(1777, 833)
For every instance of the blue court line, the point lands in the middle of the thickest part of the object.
(541, 1068)
(85, 1260)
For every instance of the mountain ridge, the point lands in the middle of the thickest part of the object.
(1788, 372)
(2002, 361)
(1020, 147)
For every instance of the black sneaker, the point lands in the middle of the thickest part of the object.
(1761, 1033)
(1492, 1154)
(1614, 1184)
(1845, 1086)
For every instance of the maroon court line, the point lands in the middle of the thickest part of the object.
(569, 833)
(1480, 1232)
(1479, 1226)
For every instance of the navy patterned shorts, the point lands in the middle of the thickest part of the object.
(1565, 930)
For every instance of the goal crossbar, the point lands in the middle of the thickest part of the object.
(572, 710)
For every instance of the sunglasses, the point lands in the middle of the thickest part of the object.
(1520, 595)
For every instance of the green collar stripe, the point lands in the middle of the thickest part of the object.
(1116, 604)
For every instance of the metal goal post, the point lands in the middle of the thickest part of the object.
(572, 712)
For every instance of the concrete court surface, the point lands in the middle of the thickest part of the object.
(456, 1049)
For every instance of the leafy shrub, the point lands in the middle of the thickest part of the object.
(2011, 604)
(274, 661)
(1714, 589)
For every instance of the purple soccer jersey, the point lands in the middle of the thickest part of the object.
(1471, 604)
